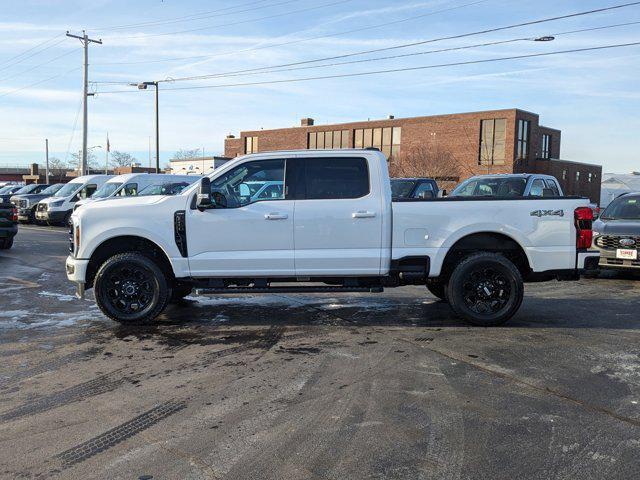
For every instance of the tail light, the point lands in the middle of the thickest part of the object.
(14, 214)
(584, 220)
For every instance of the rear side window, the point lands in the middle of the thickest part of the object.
(551, 184)
(335, 178)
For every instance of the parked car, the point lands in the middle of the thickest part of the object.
(130, 185)
(617, 233)
(8, 224)
(57, 209)
(509, 186)
(7, 192)
(28, 202)
(334, 225)
(414, 188)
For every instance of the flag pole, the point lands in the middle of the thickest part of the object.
(106, 156)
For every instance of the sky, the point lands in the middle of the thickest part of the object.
(593, 97)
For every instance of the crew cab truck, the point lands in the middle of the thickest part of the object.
(334, 228)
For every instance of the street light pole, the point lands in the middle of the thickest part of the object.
(144, 86)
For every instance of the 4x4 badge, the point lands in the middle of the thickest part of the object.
(547, 213)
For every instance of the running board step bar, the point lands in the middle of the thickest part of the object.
(231, 290)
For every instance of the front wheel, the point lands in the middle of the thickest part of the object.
(485, 289)
(131, 288)
(6, 243)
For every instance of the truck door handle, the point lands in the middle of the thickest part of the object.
(363, 214)
(276, 216)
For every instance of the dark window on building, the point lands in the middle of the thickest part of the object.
(387, 139)
(324, 140)
(250, 144)
(564, 174)
(327, 178)
(523, 139)
(492, 141)
(546, 146)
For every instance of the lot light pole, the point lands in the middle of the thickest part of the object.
(144, 86)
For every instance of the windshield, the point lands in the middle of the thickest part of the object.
(106, 190)
(402, 188)
(623, 208)
(28, 189)
(68, 189)
(163, 189)
(52, 189)
(491, 187)
(7, 189)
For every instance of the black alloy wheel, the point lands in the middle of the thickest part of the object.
(130, 287)
(485, 289)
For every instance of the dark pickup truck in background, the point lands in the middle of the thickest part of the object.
(414, 188)
(8, 224)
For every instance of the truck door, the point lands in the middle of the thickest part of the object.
(253, 234)
(338, 218)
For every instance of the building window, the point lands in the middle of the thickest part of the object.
(333, 139)
(386, 139)
(577, 176)
(523, 139)
(492, 141)
(564, 174)
(250, 144)
(590, 178)
(546, 146)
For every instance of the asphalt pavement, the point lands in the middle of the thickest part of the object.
(356, 386)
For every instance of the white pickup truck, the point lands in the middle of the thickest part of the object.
(327, 221)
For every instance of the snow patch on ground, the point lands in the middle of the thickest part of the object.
(60, 296)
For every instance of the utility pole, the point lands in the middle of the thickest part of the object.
(46, 148)
(85, 40)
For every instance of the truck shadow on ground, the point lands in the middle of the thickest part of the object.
(243, 320)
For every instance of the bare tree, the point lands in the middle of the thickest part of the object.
(57, 170)
(187, 154)
(121, 159)
(76, 160)
(433, 162)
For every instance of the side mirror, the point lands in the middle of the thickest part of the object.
(443, 193)
(203, 198)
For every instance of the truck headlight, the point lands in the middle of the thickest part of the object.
(57, 203)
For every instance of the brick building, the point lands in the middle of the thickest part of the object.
(496, 141)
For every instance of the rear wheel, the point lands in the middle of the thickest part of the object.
(485, 289)
(6, 243)
(437, 288)
(131, 288)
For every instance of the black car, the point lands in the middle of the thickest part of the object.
(8, 224)
(27, 203)
(413, 188)
(7, 191)
(617, 233)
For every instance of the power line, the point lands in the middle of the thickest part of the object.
(38, 82)
(142, 24)
(202, 16)
(239, 22)
(38, 66)
(30, 49)
(394, 70)
(412, 44)
(392, 57)
(301, 40)
(37, 52)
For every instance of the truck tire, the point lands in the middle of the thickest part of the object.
(485, 289)
(6, 243)
(131, 288)
(438, 288)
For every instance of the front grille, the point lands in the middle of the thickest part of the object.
(612, 242)
(617, 261)
(43, 207)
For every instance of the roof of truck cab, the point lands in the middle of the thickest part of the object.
(88, 178)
